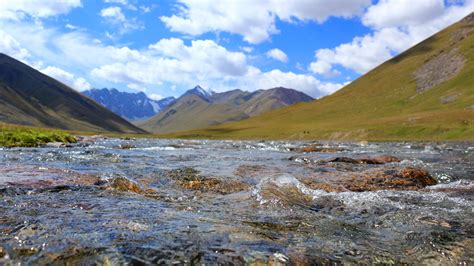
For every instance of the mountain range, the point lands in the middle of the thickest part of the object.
(199, 108)
(28, 97)
(425, 93)
(131, 106)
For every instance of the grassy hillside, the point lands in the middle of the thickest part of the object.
(425, 93)
(20, 136)
(28, 97)
(192, 111)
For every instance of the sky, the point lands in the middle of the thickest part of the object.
(164, 48)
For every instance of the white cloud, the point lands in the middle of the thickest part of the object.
(124, 3)
(117, 18)
(323, 67)
(247, 49)
(254, 20)
(113, 13)
(399, 24)
(155, 96)
(170, 60)
(396, 13)
(277, 54)
(67, 78)
(11, 47)
(255, 79)
(18, 9)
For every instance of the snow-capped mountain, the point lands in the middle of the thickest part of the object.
(131, 106)
(198, 90)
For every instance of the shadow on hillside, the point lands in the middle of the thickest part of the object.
(421, 48)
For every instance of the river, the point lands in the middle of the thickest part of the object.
(147, 201)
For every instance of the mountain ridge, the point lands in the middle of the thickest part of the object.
(29, 97)
(195, 109)
(131, 106)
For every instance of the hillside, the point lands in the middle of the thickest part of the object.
(425, 93)
(198, 108)
(28, 97)
(131, 106)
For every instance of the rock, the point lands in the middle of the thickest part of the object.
(3, 252)
(375, 160)
(315, 147)
(189, 178)
(123, 184)
(431, 74)
(385, 178)
(126, 146)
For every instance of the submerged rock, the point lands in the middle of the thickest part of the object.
(126, 146)
(392, 178)
(190, 178)
(375, 160)
(315, 147)
(123, 184)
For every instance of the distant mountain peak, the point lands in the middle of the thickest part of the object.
(129, 105)
(214, 108)
(198, 90)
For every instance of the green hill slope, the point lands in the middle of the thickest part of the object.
(425, 93)
(28, 97)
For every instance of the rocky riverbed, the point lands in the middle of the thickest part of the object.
(118, 201)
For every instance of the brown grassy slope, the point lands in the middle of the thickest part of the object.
(381, 105)
(28, 97)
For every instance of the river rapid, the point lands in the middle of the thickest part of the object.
(147, 201)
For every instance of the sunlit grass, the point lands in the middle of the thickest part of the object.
(21, 136)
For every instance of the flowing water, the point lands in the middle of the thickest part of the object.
(231, 202)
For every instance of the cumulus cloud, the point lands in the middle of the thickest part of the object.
(18, 9)
(254, 20)
(308, 84)
(117, 18)
(277, 54)
(67, 78)
(10, 46)
(114, 13)
(395, 13)
(170, 60)
(398, 25)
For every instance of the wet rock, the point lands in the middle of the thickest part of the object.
(189, 178)
(123, 184)
(392, 178)
(3, 252)
(25, 251)
(315, 148)
(246, 171)
(126, 146)
(375, 160)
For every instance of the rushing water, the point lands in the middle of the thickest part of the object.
(253, 207)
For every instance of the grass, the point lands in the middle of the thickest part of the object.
(20, 136)
(382, 105)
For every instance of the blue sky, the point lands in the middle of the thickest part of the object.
(166, 47)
